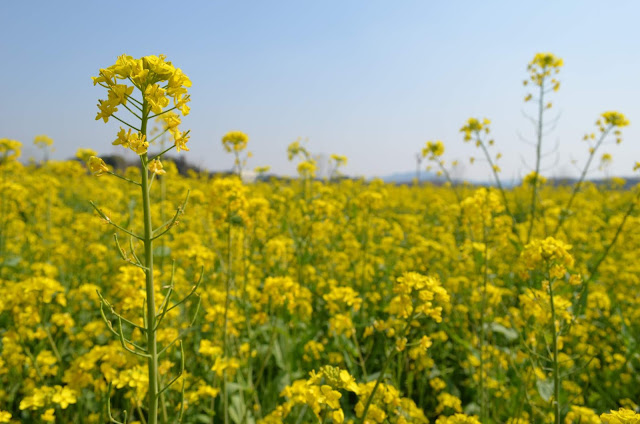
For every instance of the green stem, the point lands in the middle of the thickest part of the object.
(382, 371)
(500, 187)
(556, 372)
(123, 178)
(152, 362)
(129, 125)
(226, 317)
(159, 155)
(375, 387)
(162, 113)
(584, 291)
(483, 398)
(354, 337)
(534, 190)
(576, 187)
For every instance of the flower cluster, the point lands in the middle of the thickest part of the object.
(235, 141)
(433, 149)
(542, 66)
(158, 83)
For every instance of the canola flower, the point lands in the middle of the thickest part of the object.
(320, 301)
(156, 81)
(236, 142)
(307, 293)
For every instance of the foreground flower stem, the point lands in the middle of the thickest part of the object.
(382, 372)
(375, 387)
(485, 277)
(556, 371)
(152, 403)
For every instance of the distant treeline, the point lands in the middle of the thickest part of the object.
(184, 167)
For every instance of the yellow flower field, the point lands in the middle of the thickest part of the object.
(158, 297)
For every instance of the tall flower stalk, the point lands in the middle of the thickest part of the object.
(156, 81)
(608, 123)
(236, 142)
(476, 130)
(541, 70)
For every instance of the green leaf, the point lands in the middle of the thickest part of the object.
(236, 409)
(509, 333)
(202, 418)
(545, 388)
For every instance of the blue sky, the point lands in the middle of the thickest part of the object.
(373, 80)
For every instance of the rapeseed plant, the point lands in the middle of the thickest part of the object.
(156, 81)
(325, 301)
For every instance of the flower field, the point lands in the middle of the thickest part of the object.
(145, 296)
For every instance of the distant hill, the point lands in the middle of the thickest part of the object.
(121, 163)
(408, 177)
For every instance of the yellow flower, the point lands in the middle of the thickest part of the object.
(63, 396)
(621, 416)
(615, 119)
(49, 415)
(339, 159)
(539, 253)
(157, 80)
(122, 138)
(138, 143)
(533, 178)
(155, 167)
(235, 141)
(307, 168)
(460, 419)
(5, 417)
(338, 416)
(97, 166)
(180, 140)
(261, 169)
(85, 154)
(42, 140)
(106, 109)
(331, 396)
(433, 149)
(474, 127)
(156, 97)
(542, 66)
(10, 149)
(581, 415)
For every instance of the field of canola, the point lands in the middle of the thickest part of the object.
(307, 301)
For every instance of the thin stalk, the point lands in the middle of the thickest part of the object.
(237, 166)
(375, 387)
(226, 317)
(485, 276)
(576, 187)
(447, 176)
(123, 178)
(129, 125)
(152, 362)
(163, 152)
(556, 372)
(54, 348)
(501, 188)
(534, 190)
(354, 337)
(162, 113)
(382, 371)
(584, 292)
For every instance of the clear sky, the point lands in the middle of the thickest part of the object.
(370, 79)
